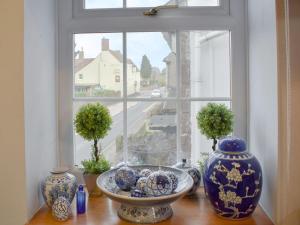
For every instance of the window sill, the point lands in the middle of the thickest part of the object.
(189, 210)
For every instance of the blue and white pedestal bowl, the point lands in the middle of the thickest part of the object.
(144, 209)
(59, 184)
(233, 179)
(193, 172)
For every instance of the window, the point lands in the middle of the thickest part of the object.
(153, 74)
(104, 4)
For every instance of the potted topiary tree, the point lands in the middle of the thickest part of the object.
(92, 122)
(215, 121)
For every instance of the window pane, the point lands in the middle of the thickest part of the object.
(152, 133)
(147, 3)
(153, 3)
(110, 144)
(193, 143)
(200, 2)
(98, 65)
(103, 4)
(151, 64)
(205, 64)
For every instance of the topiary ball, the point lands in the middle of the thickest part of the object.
(141, 184)
(145, 173)
(158, 184)
(173, 178)
(125, 178)
(61, 209)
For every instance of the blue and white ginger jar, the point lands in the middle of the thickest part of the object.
(193, 172)
(59, 184)
(233, 179)
(61, 209)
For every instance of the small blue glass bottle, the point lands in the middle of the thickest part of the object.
(80, 200)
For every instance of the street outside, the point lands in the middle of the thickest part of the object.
(137, 114)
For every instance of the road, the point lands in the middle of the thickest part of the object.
(136, 113)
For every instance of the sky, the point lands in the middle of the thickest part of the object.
(151, 44)
(92, 4)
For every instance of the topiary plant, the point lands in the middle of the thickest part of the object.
(215, 121)
(92, 122)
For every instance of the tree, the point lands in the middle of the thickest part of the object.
(215, 121)
(146, 68)
(92, 122)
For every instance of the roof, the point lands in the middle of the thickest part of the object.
(118, 55)
(81, 63)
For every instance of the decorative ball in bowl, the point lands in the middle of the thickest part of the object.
(148, 200)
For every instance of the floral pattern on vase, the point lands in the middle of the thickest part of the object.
(59, 184)
(61, 209)
(233, 179)
(193, 172)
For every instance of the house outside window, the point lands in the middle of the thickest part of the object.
(153, 78)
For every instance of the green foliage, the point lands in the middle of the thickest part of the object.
(202, 161)
(106, 93)
(146, 68)
(96, 167)
(93, 121)
(215, 121)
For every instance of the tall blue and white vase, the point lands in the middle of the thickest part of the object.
(233, 179)
(59, 184)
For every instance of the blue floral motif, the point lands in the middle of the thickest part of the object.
(61, 209)
(58, 185)
(174, 180)
(233, 181)
(125, 178)
(158, 183)
(195, 174)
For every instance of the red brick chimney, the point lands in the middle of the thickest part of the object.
(105, 44)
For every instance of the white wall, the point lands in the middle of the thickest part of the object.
(40, 96)
(263, 95)
(12, 160)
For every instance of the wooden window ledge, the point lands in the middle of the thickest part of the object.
(195, 210)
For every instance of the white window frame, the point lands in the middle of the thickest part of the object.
(80, 12)
(73, 19)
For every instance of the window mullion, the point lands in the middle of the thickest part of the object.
(125, 140)
(178, 95)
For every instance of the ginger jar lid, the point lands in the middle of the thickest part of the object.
(232, 145)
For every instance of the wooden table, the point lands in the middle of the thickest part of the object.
(194, 210)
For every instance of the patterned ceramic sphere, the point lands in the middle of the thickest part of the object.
(145, 173)
(125, 178)
(141, 184)
(61, 209)
(174, 179)
(233, 179)
(137, 193)
(193, 172)
(158, 184)
(59, 183)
